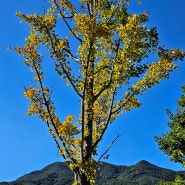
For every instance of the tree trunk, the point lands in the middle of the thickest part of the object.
(80, 178)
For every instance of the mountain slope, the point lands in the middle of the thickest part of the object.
(142, 173)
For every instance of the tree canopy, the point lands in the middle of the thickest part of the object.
(172, 142)
(104, 58)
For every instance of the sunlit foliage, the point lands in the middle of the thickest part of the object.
(110, 47)
(172, 142)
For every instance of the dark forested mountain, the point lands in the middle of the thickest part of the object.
(142, 173)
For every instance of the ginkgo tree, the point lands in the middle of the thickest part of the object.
(109, 48)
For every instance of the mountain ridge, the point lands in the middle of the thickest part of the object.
(142, 173)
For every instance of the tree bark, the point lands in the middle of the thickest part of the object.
(80, 178)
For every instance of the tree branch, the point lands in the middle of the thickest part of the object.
(48, 109)
(63, 68)
(64, 19)
(108, 120)
(109, 147)
(123, 104)
(103, 89)
(72, 56)
(110, 80)
(89, 9)
(70, 80)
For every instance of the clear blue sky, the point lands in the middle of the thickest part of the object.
(25, 144)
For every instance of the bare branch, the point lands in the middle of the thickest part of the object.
(72, 56)
(69, 17)
(89, 9)
(109, 147)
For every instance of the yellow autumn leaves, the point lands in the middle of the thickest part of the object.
(107, 55)
(38, 22)
(67, 126)
(156, 72)
(29, 92)
(103, 64)
(87, 27)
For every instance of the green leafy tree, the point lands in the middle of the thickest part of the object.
(172, 142)
(104, 59)
(178, 181)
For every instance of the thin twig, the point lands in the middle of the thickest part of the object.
(109, 147)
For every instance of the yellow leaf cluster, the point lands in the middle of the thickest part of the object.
(88, 27)
(67, 127)
(28, 51)
(130, 102)
(156, 72)
(83, 24)
(103, 30)
(49, 21)
(29, 92)
(33, 39)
